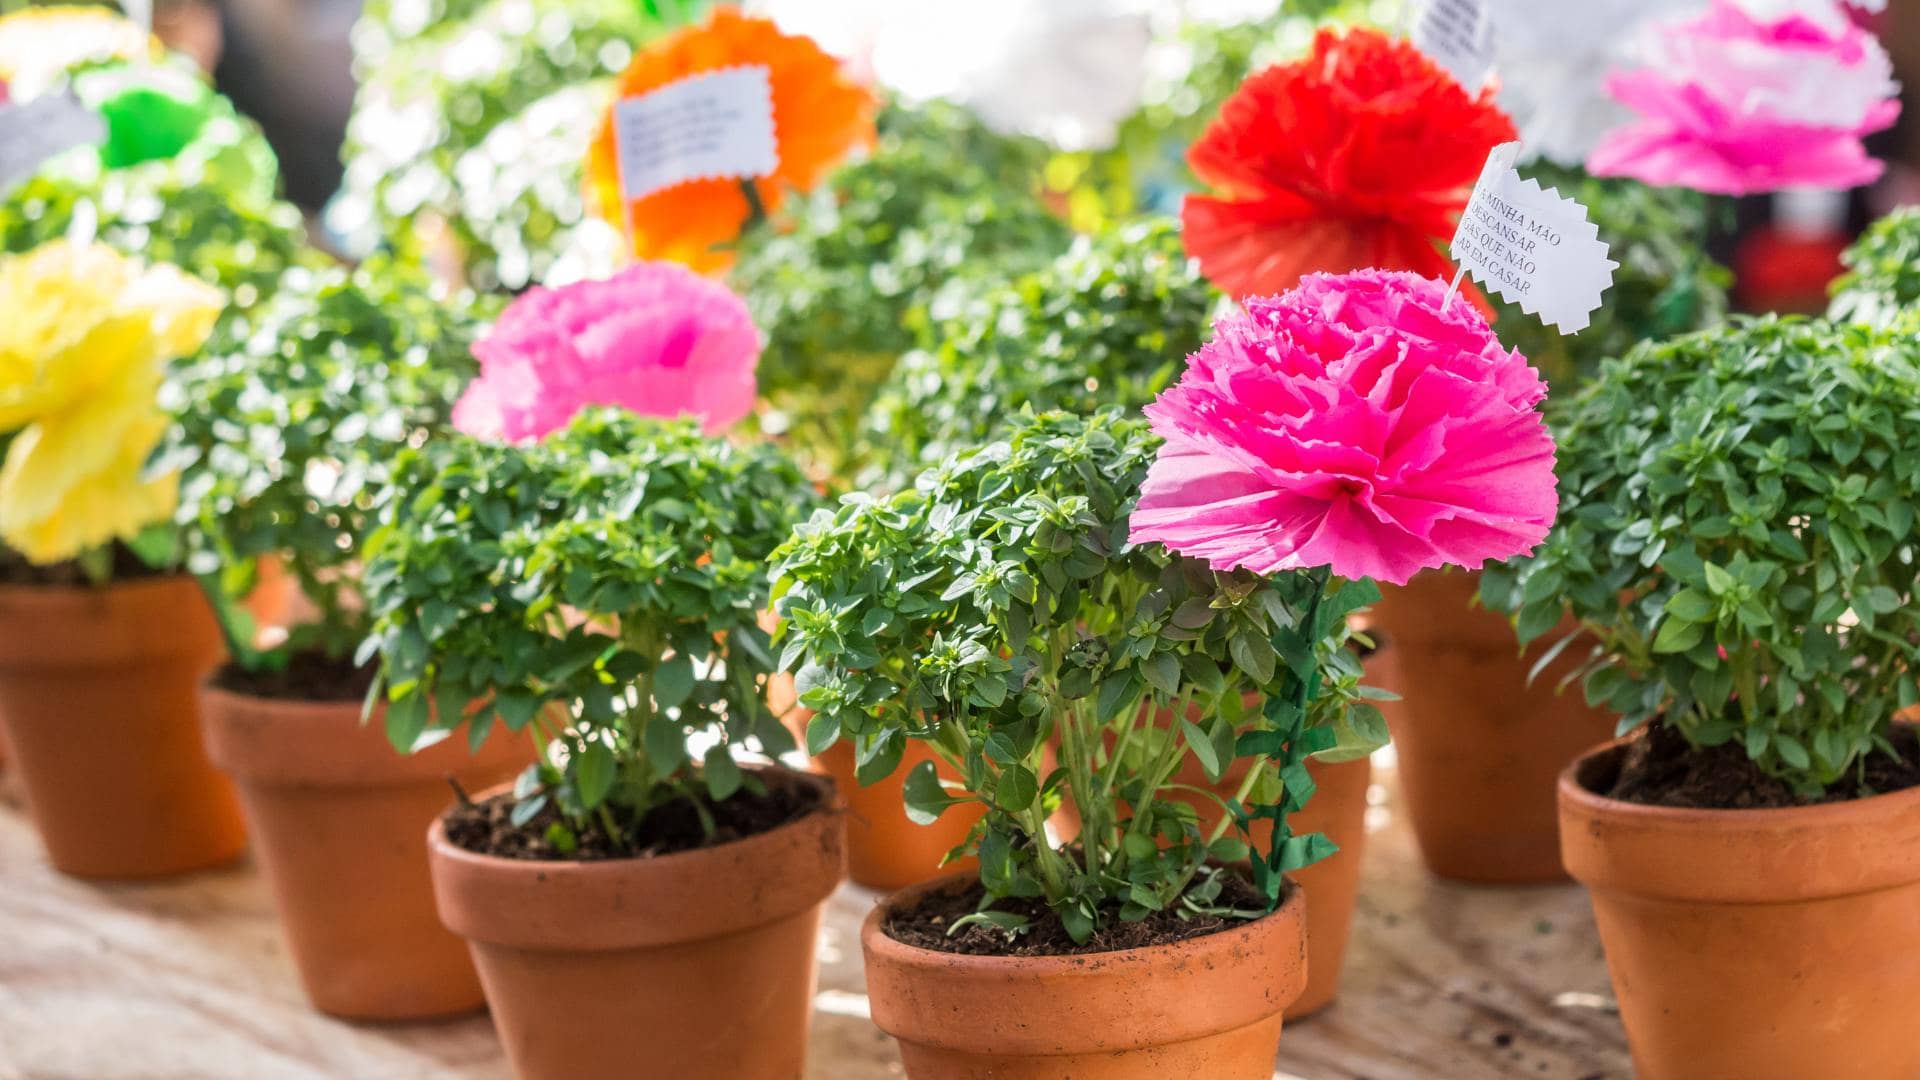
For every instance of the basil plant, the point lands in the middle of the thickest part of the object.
(997, 614)
(604, 588)
(1736, 531)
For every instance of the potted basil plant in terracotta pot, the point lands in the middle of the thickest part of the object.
(1082, 576)
(639, 899)
(1738, 539)
(103, 639)
(1105, 323)
(287, 422)
(995, 610)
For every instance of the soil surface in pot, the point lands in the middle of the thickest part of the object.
(487, 828)
(926, 924)
(308, 676)
(15, 570)
(1660, 769)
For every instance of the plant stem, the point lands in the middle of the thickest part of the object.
(1240, 796)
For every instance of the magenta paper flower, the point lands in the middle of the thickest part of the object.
(655, 339)
(1735, 104)
(1351, 423)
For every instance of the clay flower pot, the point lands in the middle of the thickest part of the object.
(1479, 748)
(339, 823)
(1754, 944)
(886, 850)
(697, 965)
(1332, 885)
(99, 695)
(1206, 1007)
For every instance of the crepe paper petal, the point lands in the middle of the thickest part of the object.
(1733, 104)
(80, 374)
(152, 112)
(1554, 60)
(819, 116)
(1362, 154)
(655, 339)
(1067, 71)
(1358, 422)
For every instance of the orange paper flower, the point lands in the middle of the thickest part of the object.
(1360, 155)
(818, 116)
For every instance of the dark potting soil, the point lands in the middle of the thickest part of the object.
(308, 676)
(1660, 769)
(925, 925)
(15, 570)
(486, 828)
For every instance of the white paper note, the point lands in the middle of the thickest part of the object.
(31, 133)
(1532, 246)
(1457, 35)
(715, 125)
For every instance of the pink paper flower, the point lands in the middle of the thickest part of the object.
(656, 339)
(1735, 104)
(1351, 423)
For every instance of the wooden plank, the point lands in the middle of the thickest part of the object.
(188, 978)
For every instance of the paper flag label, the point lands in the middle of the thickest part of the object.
(37, 130)
(1458, 35)
(1532, 246)
(715, 125)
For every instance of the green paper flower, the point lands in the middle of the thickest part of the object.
(152, 113)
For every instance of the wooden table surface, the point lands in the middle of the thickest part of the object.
(187, 980)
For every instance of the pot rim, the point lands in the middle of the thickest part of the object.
(437, 834)
(314, 708)
(79, 627)
(307, 743)
(873, 928)
(630, 902)
(1699, 855)
(23, 592)
(1206, 986)
(1886, 803)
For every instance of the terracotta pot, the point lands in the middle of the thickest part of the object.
(886, 850)
(1754, 944)
(1332, 885)
(98, 692)
(696, 966)
(271, 603)
(339, 823)
(1479, 748)
(1207, 1007)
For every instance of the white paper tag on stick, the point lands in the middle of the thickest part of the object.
(715, 125)
(1457, 35)
(31, 133)
(1532, 246)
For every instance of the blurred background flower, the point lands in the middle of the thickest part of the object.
(82, 356)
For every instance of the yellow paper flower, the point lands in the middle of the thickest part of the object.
(82, 355)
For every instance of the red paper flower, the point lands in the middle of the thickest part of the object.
(1360, 155)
